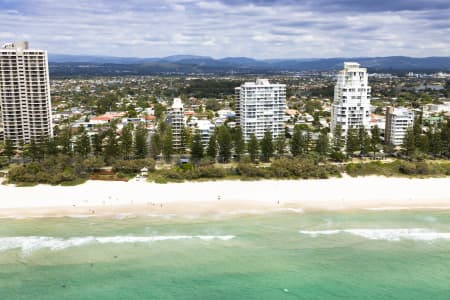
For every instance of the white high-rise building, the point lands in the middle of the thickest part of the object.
(176, 119)
(260, 106)
(351, 106)
(24, 93)
(398, 121)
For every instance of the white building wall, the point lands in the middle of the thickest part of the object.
(176, 119)
(261, 108)
(351, 106)
(400, 120)
(24, 93)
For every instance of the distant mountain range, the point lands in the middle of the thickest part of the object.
(190, 64)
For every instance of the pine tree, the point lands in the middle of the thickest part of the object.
(338, 139)
(196, 148)
(51, 147)
(322, 146)
(111, 150)
(364, 140)
(9, 149)
(266, 146)
(126, 141)
(238, 143)
(83, 144)
(97, 144)
(375, 139)
(33, 151)
(140, 141)
(353, 144)
(224, 141)
(409, 143)
(253, 148)
(280, 145)
(185, 139)
(211, 150)
(298, 142)
(155, 145)
(167, 144)
(65, 141)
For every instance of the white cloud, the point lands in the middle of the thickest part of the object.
(219, 29)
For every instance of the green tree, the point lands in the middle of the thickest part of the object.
(167, 144)
(211, 150)
(185, 138)
(33, 151)
(155, 145)
(409, 143)
(353, 143)
(126, 141)
(375, 139)
(140, 141)
(224, 141)
(9, 149)
(65, 141)
(322, 146)
(253, 148)
(111, 149)
(364, 140)
(83, 144)
(280, 145)
(159, 110)
(298, 142)
(338, 139)
(97, 144)
(196, 148)
(266, 146)
(238, 143)
(51, 147)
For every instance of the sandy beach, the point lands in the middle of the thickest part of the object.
(101, 198)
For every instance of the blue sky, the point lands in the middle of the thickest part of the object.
(221, 28)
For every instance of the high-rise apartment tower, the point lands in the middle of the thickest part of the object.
(351, 106)
(24, 93)
(260, 106)
(176, 120)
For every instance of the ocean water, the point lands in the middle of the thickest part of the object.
(283, 255)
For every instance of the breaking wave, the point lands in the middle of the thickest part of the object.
(29, 244)
(417, 234)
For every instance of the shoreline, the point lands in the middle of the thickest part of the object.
(215, 198)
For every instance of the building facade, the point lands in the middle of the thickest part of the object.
(24, 94)
(398, 121)
(260, 106)
(176, 120)
(351, 106)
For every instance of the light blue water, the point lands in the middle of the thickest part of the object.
(357, 255)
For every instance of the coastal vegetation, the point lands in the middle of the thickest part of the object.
(399, 168)
(284, 168)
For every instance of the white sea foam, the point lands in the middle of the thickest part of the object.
(28, 244)
(417, 234)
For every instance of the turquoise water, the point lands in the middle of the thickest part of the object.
(352, 255)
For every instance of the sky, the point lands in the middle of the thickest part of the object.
(230, 28)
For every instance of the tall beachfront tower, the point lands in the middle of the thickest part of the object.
(24, 93)
(398, 121)
(260, 106)
(351, 106)
(176, 119)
